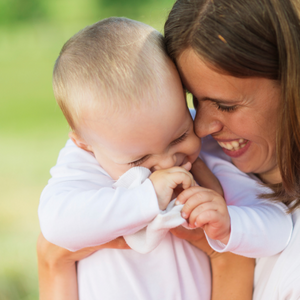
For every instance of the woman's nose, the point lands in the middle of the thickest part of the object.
(206, 124)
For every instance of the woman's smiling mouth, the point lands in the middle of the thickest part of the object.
(234, 148)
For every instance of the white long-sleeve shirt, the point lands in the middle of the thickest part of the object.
(79, 208)
(277, 277)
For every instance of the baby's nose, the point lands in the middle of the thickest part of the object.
(165, 162)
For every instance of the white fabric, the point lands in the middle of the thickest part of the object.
(174, 270)
(80, 208)
(278, 277)
(79, 203)
(148, 238)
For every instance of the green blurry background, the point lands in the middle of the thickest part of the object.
(32, 128)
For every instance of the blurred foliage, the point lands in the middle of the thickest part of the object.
(12, 11)
(32, 128)
(131, 7)
(19, 11)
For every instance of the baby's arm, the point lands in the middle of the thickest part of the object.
(257, 227)
(79, 208)
(250, 228)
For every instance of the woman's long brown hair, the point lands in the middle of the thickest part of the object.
(257, 38)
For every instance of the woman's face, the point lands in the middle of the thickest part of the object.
(240, 114)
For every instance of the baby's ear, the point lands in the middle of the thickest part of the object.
(79, 141)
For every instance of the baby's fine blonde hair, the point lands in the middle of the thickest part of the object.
(116, 62)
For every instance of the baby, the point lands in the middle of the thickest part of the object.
(124, 101)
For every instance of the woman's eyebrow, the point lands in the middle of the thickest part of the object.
(223, 101)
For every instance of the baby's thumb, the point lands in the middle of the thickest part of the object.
(187, 166)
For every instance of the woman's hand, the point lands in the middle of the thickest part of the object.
(57, 268)
(197, 238)
(55, 256)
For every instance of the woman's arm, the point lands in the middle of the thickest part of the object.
(57, 273)
(57, 268)
(204, 176)
(232, 275)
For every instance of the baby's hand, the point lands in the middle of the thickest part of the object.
(207, 209)
(165, 181)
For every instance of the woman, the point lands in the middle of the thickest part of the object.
(240, 60)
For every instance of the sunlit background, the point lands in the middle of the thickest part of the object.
(32, 128)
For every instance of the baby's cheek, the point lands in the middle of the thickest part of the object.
(115, 172)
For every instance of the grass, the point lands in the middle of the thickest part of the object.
(33, 130)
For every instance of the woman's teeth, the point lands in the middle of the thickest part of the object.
(234, 145)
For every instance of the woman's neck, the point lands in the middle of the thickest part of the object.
(272, 177)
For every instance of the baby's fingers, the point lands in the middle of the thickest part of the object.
(196, 199)
(199, 216)
(187, 166)
(188, 193)
(205, 218)
(215, 226)
(182, 177)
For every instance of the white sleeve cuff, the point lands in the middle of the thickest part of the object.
(257, 231)
(236, 234)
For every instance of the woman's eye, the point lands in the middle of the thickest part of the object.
(225, 108)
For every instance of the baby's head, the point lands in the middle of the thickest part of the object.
(123, 98)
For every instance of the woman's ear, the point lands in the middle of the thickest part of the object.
(80, 142)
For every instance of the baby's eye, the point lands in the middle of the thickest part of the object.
(139, 161)
(180, 139)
